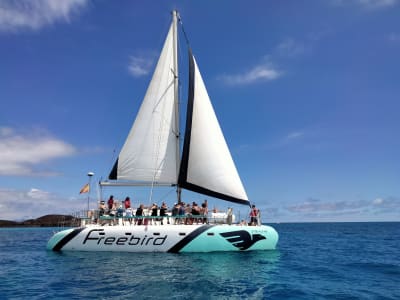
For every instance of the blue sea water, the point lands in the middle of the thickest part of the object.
(313, 261)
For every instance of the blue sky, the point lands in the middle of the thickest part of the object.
(307, 94)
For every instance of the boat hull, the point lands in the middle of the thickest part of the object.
(166, 238)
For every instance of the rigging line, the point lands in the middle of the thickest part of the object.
(183, 30)
(114, 156)
(156, 167)
(160, 100)
(158, 163)
(165, 195)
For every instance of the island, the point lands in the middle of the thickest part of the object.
(44, 221)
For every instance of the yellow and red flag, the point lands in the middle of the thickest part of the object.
(85, 189)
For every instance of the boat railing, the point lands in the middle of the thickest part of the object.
(94, 217)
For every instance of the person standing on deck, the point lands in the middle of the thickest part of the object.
(204, 211)
(129, 215)
(102, 210)
(127, 203)
(253, 215)
(139, 215)
(181, 212)
(154, 213)
(229, 216)
(110, 202)
(175, 212)
(163, 213)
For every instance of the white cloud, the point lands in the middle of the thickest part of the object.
(33, 203)
(376, 3)
(263, 72)
(394, 37)
(378, 201)
(294, 135)
(20, 153)
(27, 14)
(286, 140)
(388, 204)
(368, 4)
(317, 210)
(314, 208)
(289, 47)
(140, 65)
(38, 194)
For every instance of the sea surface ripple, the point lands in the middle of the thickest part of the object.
(313, 261)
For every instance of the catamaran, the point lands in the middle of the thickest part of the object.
(152, 156)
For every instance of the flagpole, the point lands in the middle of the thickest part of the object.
(90, 174)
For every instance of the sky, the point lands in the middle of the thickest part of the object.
(307, 94)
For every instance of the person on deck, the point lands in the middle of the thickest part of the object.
(129, 215)
(181, 212)
(102, 208)
(195, 212)
(204, 211)
(127, 203)
(188, 214)
(120, 211)
(154, 213)
(110, 202)
(253, 215)
(163, 213)
(229, 215)
(175, 212)
(139, 215)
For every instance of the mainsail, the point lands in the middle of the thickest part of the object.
(151, 151)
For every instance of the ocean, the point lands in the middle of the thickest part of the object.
(312, 261)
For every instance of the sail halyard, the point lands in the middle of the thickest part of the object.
(207, 166)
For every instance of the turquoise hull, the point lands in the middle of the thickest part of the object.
(167, 238)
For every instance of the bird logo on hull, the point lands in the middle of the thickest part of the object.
(242, 239)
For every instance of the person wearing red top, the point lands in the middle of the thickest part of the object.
(253, 215)
(127, 202)
(110, 202)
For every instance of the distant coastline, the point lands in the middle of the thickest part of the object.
(70, 221)
(44, 221)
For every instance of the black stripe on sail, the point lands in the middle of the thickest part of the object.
(188, 130)
(187, 239)
(67, 238)
(114, 171)
(204, 191)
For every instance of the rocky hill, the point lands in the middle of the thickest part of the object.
(44, 221)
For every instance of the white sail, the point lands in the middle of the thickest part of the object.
(150, 152)
(207, 165)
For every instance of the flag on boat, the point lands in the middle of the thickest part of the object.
(85, 189)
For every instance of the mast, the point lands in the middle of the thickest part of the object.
(176, 94)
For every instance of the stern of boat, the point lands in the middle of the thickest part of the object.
(234, 238)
